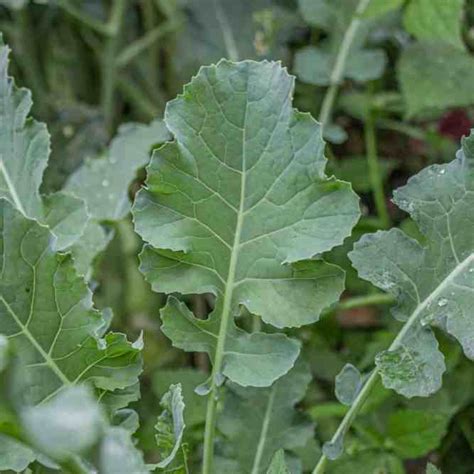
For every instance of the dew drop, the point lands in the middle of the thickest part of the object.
(442, 171)
(442, 302)
(105, 183)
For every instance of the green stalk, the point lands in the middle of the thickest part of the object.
(375, 176)
(337, 73)
(109, 63)
(146, 41)
(29, 59)
(87, 20)
(396, 344)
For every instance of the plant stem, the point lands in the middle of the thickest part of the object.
(109, 63)
(349, 417)
(337, 73)
(396, 344)
(29, 58)
(375, 176)
(141, 44)
(138, 98)
(87, 20)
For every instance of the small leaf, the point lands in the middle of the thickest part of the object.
(69, 424)
(414, 433)
(447, 80)
(118, 454)
(314, 64)
(278, 464)
(348, 384)
(439, 20)
(103, 182)
(14, 455)
(170, 425)
(255, 359)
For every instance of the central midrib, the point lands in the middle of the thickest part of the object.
(430, 299)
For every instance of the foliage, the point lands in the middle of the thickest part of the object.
(282, 323)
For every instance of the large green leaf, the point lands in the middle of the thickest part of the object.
(315, 64)
(46, 311)
(447, 78)
(237, 206)
(257, 422)
(434, 284)
(24, 152)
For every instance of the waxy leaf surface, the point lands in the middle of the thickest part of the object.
(259, 421)
(239, 204)
(434, 284)
(46, 311)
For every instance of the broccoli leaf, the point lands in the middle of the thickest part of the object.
(237, 206)
(103, 182)
(259, 421)
(170, 425)
(46, 311)
(315, 64)
(434, 284)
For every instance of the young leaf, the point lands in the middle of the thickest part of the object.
(314, 65)
(433, 284)
(103, 182)
(348, 384)
(170, 425)
(439, 20)
(65, 426)
(259, 421)
(414, 433)
(237, 206)
(447, 79)
(118, 454)
(46, 311)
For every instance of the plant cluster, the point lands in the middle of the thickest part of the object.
(190, 294)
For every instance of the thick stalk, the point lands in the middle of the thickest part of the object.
(109, 62)
(337, 73)
(375, 175)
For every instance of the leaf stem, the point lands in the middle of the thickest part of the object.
(109, 62)
(397, 342)
(375, 176)
(337, 73)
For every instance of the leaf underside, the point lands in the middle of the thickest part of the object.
(237, 206)
(434, 284)
(46, 312)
